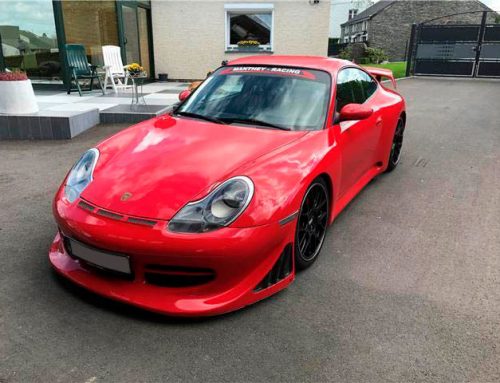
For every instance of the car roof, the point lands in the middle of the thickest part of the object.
(312, 62)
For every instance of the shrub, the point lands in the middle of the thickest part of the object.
(345, 54)
(13, 76)
(366, 56)
(375, 55)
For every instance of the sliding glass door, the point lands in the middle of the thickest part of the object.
(136, 32)
(144, 38)
(78, 15)
(130, 33)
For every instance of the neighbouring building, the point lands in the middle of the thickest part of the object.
(387, 24)
(342, 11)
(182, 38)
(193, 37)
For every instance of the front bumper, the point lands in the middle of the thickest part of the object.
(240, 258)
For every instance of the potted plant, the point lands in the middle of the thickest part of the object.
(135, 70)
(248, 45)
(16, 94)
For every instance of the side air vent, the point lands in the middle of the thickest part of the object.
(281, 269)
(86, 206)
(108, 214)
(141, 221)
(177, 276)
(119, 217)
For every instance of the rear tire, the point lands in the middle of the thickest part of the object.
(397, 144)
(311, 224)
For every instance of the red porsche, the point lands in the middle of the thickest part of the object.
(216, 205)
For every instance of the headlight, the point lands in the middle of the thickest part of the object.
(81, 175)
(220, 208)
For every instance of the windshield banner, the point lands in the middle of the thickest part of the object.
(281, 71)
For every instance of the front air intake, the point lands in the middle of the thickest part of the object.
(281, 269)
(177, 276)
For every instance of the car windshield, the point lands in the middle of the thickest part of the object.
(265, 97)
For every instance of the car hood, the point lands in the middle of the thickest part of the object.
(153, 169)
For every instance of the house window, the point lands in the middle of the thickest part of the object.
(29, 41)
(249, 22)
(352, 13)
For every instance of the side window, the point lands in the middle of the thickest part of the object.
(353, 86)
(369, 84)
(345, 92)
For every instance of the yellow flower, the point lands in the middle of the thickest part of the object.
(248, 43)
(134, 67)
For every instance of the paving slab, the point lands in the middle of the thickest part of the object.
(82, 106)
(132, 114)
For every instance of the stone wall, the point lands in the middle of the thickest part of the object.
(391, 28)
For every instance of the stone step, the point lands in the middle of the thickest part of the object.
(47, 125)
(132, 114)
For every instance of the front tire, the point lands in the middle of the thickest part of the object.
(397, 144)
(311, 224)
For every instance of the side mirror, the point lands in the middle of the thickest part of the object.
(352, 112)
(184, 94)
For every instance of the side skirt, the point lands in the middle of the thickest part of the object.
(354, 190)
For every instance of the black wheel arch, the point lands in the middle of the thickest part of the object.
(403, 116)
(329, 184)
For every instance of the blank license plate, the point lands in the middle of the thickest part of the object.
(114, 262)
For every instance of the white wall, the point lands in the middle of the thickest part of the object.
(189, 36)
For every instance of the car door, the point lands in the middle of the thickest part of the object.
(357, 139)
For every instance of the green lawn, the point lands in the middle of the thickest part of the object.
(398, 68)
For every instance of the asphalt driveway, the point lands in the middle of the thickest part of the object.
(407, 287)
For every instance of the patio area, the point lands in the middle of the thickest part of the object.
(64, 116)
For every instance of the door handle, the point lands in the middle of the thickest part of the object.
(379, 121)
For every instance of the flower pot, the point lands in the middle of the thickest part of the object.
(17, 97)
(248, 48)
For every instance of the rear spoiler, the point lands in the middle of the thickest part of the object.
(380, 73)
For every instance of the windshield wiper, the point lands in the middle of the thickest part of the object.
(254, 122)
(201, 117)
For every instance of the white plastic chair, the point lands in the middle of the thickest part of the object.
(116, 75)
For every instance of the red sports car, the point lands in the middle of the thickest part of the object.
(216, 205)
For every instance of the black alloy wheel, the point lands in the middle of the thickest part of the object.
(397, 145)
(311, 224)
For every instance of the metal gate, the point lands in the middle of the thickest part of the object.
(471, 50)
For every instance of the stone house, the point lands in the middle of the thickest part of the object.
(344, 10)
(387, 24)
